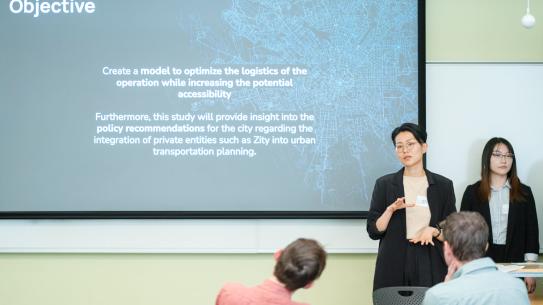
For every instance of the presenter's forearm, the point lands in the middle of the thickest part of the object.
(382, 222)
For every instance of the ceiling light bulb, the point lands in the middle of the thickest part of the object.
(528, 21)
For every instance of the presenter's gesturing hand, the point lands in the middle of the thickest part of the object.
(398, 205)
(425, 236)
(382, 222)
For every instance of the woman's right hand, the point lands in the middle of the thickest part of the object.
(382, 221)
(398, 205)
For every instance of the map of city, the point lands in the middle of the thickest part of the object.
(362, 81)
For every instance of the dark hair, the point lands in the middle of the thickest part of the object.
(515, 194)
(300, 263)
(467, 234)
(419, 133)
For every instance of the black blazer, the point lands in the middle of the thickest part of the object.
(522, 229)
(391, 262)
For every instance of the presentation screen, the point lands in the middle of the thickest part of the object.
(223, 108)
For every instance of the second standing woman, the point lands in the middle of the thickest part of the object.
(507, 205)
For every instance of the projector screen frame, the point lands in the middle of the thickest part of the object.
(245, 214)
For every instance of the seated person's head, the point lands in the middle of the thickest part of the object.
(466, 236)
(300, 263)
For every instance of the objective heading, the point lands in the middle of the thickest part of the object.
(37, 8)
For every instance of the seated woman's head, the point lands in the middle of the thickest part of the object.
(300, 263)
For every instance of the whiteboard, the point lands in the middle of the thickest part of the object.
(469, 103)
(466, 105)
(180, 236)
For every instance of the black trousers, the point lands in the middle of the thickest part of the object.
(497, 253)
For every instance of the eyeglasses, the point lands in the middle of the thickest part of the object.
(407, 147)
(500, 156)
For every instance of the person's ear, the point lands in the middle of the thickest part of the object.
(486, 247)
(424, 147)
(309, 285)
(277, 254)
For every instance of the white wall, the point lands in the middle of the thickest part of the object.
(466, 105)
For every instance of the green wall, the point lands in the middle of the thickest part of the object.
(457, 31)
(482, 31)
(165, 279)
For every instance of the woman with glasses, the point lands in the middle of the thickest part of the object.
(405, 211)
(507, 205)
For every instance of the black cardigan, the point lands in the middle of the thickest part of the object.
(522, 229)
(390, 265)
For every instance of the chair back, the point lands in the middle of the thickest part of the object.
(401, 295)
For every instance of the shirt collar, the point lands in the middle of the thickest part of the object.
(475, 266)
(506, 185)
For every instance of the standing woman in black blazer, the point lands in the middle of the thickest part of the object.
(406, 208)
(507, 205)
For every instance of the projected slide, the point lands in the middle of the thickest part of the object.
(202, 106)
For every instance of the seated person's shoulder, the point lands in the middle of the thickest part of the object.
(437, 294)
(231, 293)
(514, 282)
(233, 286)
